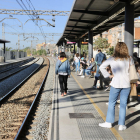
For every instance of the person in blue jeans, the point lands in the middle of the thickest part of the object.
(99, 59)
(77, 62)
(91, 67)
(120, 84)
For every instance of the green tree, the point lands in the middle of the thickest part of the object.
(110, 51)
(7, 48)
(101, 43)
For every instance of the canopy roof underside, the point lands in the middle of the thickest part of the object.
(97, 15)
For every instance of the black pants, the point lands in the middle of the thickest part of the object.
(63, 83)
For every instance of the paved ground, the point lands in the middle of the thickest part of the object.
(82, 98)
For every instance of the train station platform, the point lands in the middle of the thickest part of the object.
(77, 115)
(14, 62)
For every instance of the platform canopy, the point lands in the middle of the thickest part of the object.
(4, 41)
(96, 15)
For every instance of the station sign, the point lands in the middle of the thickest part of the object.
(71, 42)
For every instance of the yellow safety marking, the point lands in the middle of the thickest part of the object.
(116, 134)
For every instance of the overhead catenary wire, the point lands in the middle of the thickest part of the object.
(31, 17)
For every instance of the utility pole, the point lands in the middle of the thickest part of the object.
(18, 42)
(31, 48)
(3, 31)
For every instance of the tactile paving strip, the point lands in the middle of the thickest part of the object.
(89, 128)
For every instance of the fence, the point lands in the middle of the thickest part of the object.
(13, 55)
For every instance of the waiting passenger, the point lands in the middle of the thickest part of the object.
(63, 70)
(91, 67)
(84, 65)
(77, 63)
(120, 84)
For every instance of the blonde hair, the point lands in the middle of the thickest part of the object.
(121, 51)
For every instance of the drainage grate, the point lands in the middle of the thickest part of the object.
(81, 115)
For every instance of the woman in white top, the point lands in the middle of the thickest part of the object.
(77, 62)
(120, 84)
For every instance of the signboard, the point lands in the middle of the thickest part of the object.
(71, 42)
(84, 43)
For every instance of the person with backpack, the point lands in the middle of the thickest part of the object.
(62, 68)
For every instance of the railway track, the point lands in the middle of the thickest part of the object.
(8, 72)
(15, 110)
(16, 66)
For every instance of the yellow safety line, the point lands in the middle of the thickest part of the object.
(116, 134)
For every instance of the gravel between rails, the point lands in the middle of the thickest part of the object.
(13, 112)
(9, 83)
(17, 69)
(39, 127)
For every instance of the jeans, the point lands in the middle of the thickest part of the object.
(114, 93)
(87, 72)
(77, 66)
(84, 72)
(97, 71)
(63, 83)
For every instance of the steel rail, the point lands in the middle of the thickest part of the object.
(5, 97)
(32, 106)
(22, 68)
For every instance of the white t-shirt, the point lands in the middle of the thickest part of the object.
(77, 59)
(120, 70)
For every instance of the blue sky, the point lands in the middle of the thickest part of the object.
(12, 25)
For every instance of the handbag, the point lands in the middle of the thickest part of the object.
(132, 73)
(133, 90)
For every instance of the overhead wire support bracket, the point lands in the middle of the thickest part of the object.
(40, 19)
(13, 18)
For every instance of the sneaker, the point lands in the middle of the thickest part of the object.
(119, 107)
(107, 103)
(83, 76)
(122, 127)
(105, 124)
(94, 86)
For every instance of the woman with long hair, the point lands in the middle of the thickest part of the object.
(120, 85)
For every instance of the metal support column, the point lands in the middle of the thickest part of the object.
(58, 49)
(4, 52)
(79, 47)
(74, 49)
(129, 27)
(64, 46)
(90, 45)
(61, 48)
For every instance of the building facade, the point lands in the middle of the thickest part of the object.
(116, 34)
